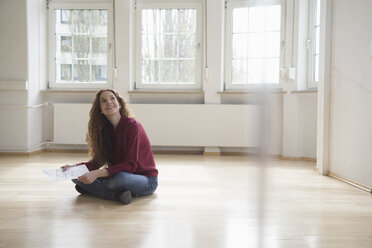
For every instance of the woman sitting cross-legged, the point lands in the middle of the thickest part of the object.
(122, 163)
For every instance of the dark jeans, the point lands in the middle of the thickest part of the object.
(108, 188)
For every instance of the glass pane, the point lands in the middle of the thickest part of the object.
(264, 45)
(316, 68)
(150, 21)
(168, 71)
(63, 20)
(187, 71)
(187, 21)
(66, 44)
(65, 16)
(81, 71)
(81, 21)
(272, 18)
(240, 20)
(99, 73)
(168, 46)
(239, 71)
(168, 20)
(256, 45)
(99, 19)
(240, 45)
(187, 46)
(255, 71)
(81, 46)
(150, 71)
(256, 20)
(99, 45)
(63, 72)
(149, 46)
(271, 71)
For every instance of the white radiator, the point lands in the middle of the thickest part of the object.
(199, 125)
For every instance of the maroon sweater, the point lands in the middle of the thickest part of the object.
(132, 150)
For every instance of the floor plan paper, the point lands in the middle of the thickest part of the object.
(56, 175)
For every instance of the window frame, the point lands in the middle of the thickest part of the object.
(313, 11)
(138, 41)
(230, 5)
(52, 47)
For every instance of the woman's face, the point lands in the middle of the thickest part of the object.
(109, 104)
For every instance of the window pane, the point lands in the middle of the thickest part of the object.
(62, 20)
(187, 46)
(63, 72)
(264, 45)
(98, 24)
(187, 71)
(240, 45)
(150, 71)
(168, 46)
(263, 71)
(168, 20)
(168, 71)
(187, 21)
(99, 73)
(150, 21)
(239, 71)
(150, 46)
(99, 45)
(271, 71)
(66, 46)
(81, 71)
(264, 18)
(81, 21)
(256, 73)
(240, 20)
(81, 46)
(168, 49)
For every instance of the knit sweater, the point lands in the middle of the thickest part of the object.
(132, 150)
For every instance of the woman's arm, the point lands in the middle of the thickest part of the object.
(91, 176)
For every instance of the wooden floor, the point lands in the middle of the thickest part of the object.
(217, 202)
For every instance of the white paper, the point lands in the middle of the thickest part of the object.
(56, 175)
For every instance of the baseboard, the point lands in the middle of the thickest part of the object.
(348, 181)
(298, 158)
(21, 153)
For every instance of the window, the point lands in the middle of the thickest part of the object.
(168, 46)
(313, 44)
(254, 38)
(80, 42)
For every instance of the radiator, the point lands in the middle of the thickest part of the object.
(200, 125)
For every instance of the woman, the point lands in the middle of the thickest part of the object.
(122, 164)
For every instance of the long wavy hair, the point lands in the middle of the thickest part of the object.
(98, 136)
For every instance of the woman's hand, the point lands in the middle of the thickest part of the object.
(91, 176)
(66, 166)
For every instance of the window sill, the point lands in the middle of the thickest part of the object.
(305, 91)
(169, 92)
(52, 91)
(247, 92)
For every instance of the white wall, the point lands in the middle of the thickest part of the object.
(351, 91)
(24, 58)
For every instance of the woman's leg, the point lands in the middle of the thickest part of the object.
(138, 185)
(98, 189)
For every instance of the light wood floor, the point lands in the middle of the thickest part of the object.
(217, 202)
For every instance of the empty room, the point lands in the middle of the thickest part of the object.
(185, 123)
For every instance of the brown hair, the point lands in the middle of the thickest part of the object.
(98, 136)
